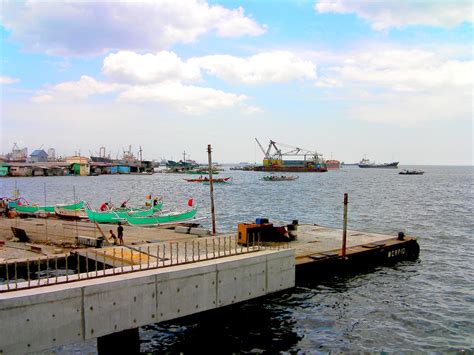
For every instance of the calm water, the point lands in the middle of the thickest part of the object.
(427, 305)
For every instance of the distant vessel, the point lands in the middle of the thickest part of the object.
(411, 172)
(332, 164)
(366, 163)
(274, 161)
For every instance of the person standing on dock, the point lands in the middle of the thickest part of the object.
(120, 233)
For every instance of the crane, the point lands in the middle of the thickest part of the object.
(278, 154)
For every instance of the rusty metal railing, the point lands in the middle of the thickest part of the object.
(84, 264)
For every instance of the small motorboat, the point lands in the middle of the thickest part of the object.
(411, 172)
(279, 178)
(206, 180)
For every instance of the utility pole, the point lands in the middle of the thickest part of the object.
(211, 187)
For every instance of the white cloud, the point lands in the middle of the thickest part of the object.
(404, 70)
(72, 90)
(399, 13)
(90, 28)
(188, 99)
(131, 67)
(266, 67)
(401, 86)
(5, 80)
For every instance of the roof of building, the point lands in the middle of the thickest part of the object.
(38, 152)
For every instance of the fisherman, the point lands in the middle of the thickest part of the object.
(104, 206)
(124, 204)
(155, 201)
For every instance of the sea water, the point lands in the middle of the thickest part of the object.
(425, 305)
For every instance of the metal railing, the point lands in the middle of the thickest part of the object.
(83, 264)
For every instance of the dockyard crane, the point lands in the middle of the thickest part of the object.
(294, 151)
(266, 154)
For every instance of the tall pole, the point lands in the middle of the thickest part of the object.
(211, 187)
(46, 219)
(75, 210)
(344, 228)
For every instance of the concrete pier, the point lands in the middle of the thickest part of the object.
(45, 317)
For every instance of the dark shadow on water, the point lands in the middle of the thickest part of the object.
(262, 325)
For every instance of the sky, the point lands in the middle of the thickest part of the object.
(389, 80)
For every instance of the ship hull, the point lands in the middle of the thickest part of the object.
(393, 165)
(291, 169)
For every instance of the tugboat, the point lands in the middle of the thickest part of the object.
(366, 163)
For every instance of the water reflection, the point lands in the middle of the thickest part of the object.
(265, 325)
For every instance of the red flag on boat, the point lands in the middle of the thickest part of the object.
(190, 202)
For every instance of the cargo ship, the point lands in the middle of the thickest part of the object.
(273, 160)
(366, 163)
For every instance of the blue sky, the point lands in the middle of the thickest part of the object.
(384, 79)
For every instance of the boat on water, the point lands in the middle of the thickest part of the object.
(28, 208)
(332, 164)
(206, 180)
(159, 219)
(411, 172)
(279, 178)
(277, 158)
(366, 163)
(120, 214)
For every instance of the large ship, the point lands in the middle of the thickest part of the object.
(366, 163)
(273, 160)
(332, 164)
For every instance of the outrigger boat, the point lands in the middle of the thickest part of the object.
(70, 214)
(206, 180)
(157, 220)
(279, 178)
(27, 208)
(121, 214)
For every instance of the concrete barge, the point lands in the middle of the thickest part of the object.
(318, 249)
(54, 292)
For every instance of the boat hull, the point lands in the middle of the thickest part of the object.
(119, 215)
(291, 169)
(48, 209)
(393, 165)
(161, 219)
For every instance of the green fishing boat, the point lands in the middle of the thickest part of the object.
(120, 214)
(49, 209)
(162, 218)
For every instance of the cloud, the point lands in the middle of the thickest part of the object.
(266, 67)
(404, 70)
(5, 80)
(72, 90)
(131, 67)
(399, 13)
(91, 28)
(401, 86)
(184, 98)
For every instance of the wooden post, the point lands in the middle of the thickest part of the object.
(344, 228)
(211, 187)
(46, 219)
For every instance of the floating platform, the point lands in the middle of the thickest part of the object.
(318, 249)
